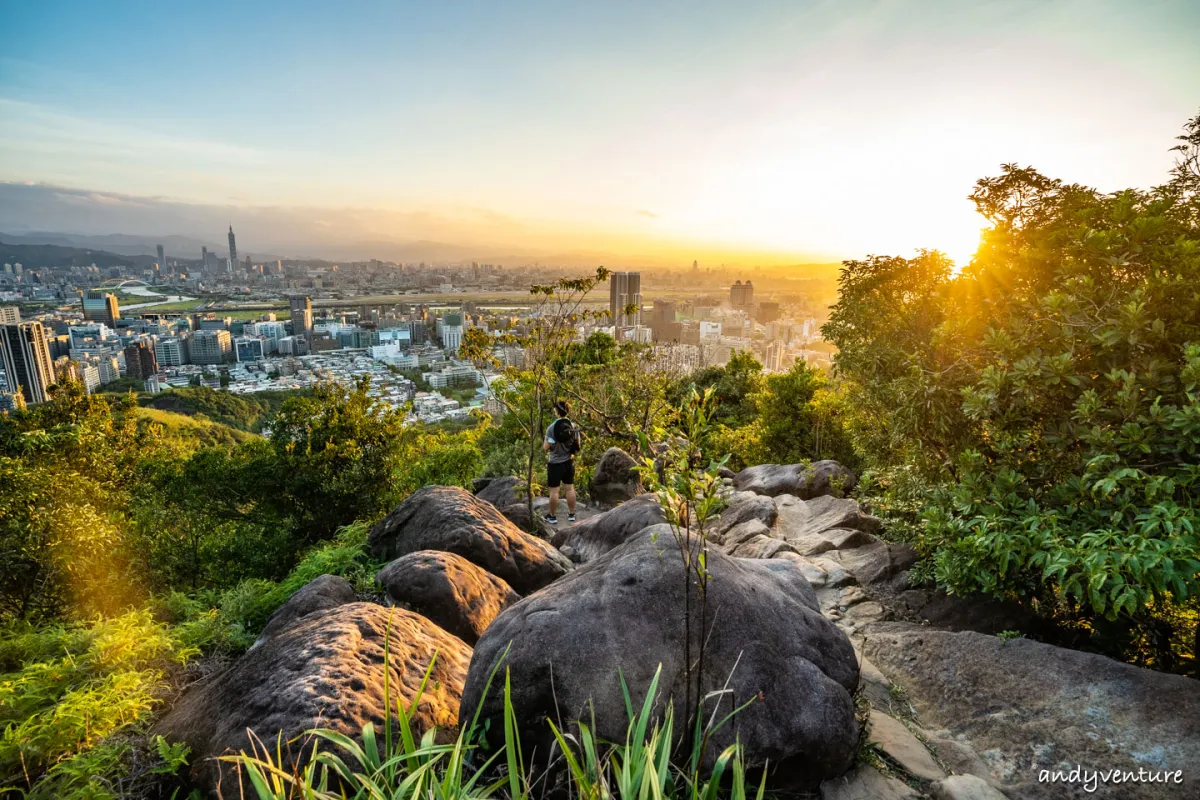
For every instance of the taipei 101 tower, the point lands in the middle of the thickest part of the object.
(232, 246)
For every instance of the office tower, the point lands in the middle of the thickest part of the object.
(204, 257)
(26, 356)
(210, 347)
(302, 315)
(140, 361)
(248, 348)
(89, 376)
(10, 315)
(663, 327)
(624, 290)
(741, 295)
(767, 312)
(774, 357)
(101, 306)
(170, 352)
(232, 246)
(278, 267)
(451, 324)
(162, 258)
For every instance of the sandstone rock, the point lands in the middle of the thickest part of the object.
(902, 746)
(594, 537)
(808, 568)
(622, 615)
(324, 592)
(502, 492)
(507, 494)
(324, 671)
(866, 613)
(875, 685)
(614, 479)
(803, 481)
(866, 783)
(808, 524)
(447, 589)
(752, 539)
(959, 757)
(452, 520)
(870, 563)
(1027, 706)
(964, 787)
(743, 507)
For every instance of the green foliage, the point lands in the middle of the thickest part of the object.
(65, 689)
(66, 472)
(243, 412)
(403, 767)
(230, 621)
(1049, 395)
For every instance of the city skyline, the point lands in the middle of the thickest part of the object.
(759, 133)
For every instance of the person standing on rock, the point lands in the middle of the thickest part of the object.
(562, 443)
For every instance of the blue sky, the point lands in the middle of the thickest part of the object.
(797, 129)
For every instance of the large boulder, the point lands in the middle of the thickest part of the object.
(319, 594)
(1027, 706)
(327, 671)
(452, 520)
(502, 492)
(614, 480)
(803, 521)
(595, 536)
(507, 494)
(449, 590)
(805, 481)
(743, 507)
(621, 616)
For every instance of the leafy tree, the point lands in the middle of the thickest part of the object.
(336, 457)
(1052, 391)
(529, 390)
(65, 475)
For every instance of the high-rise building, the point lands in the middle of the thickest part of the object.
(773, 362)
(170, 352)
(232, 246)
(204, 257)
(302, 315)
(25, 352)
(741, 295)
(248, 348)
(210, 347)
(140, 361)
(162, 258)
(101, 306)
(451, 325)
(625, 290)
(663, 327)
(10, 315)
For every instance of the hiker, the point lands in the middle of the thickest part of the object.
(562, 443)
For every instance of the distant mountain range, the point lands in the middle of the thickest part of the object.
(37, 256)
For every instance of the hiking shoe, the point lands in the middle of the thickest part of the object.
(571, 518)
(553, 520)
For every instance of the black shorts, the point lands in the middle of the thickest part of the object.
(562, 472)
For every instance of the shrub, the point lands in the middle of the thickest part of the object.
(68, 688)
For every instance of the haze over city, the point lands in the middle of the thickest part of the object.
(622, 133)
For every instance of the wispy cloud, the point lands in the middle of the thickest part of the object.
(643, 212)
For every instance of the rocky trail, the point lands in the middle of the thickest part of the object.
(860, 686)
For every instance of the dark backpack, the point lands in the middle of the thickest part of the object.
(566, 435)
